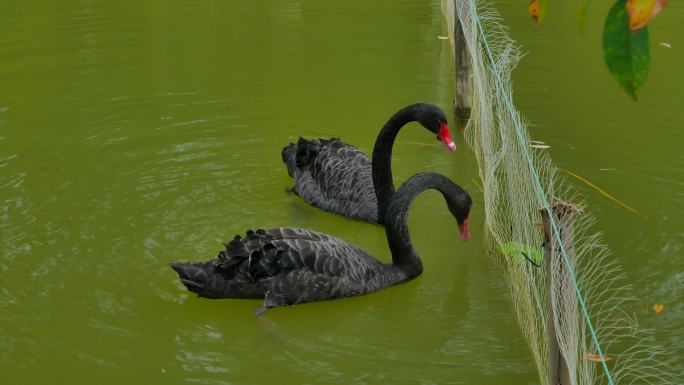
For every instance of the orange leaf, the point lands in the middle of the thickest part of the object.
(537, 9)
(595, 357)
(658, 307)
(533, 9)
(642, 11)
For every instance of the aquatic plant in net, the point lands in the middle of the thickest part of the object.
(599, 337)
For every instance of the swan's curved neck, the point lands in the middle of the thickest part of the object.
(404, 255)
(382, 158)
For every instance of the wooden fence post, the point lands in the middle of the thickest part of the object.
(464, 74)
(561, 291)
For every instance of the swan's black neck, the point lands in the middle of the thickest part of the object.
(396, 225)
(382, 157)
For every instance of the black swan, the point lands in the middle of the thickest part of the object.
(339, 178)
(288, 266)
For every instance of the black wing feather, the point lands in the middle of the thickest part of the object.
(288, 266)
(333, 176)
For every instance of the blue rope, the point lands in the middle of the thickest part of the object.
(540, 191)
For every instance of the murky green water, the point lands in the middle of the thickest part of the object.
(133, 135)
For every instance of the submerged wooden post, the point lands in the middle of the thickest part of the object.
(561, 292)
(463, 101)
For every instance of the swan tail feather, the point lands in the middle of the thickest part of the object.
(199, 278)
(289, 154)
(307, 150)
(301, 154)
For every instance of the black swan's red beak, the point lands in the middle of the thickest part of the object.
(445, 136)
(464, 230)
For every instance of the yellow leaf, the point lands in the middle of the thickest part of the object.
(658, 307)
(642, 11)
(537, 9)
(533, 9)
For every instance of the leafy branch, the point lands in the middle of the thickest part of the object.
(626, 47)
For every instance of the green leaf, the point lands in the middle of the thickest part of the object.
(515, 251)
(627, 54)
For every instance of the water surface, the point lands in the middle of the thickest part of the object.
(132, 136)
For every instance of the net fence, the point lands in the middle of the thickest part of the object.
(591, 309)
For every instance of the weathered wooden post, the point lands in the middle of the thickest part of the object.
(561, 300)
(463, 101)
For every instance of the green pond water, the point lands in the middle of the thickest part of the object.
(137, 134)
